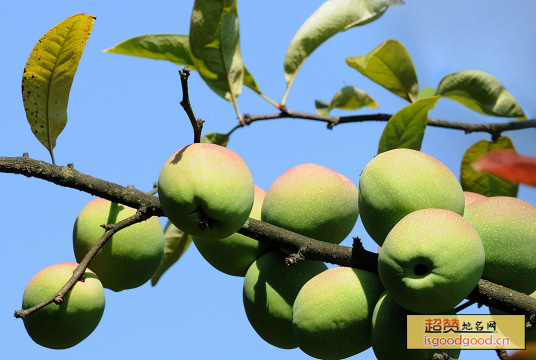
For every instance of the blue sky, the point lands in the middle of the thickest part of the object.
(125, 121)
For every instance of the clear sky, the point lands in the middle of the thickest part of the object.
(125, 121)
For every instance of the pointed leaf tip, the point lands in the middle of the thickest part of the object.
(329, 19)
(480, 92)
(390, 66)
(176, 244)
(48, 76)
(406, 128)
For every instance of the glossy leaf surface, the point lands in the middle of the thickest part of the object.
(406, 128)
(390, 66)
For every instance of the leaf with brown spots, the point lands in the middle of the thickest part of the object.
(48, 76)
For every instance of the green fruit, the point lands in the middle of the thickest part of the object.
(206, 190)
(431, 260)
(400, 181)
(270, 288)
(234, 254)
(130, 257)
(65, 325)
(389, 333)
(332, 313)
(507, 227)
(313, 201)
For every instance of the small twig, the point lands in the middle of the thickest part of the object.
(78, 273)
(495, 129)
(197, 125)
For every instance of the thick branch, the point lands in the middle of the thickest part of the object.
(69, 177)
(78, 273)
(495, 129)
(486, 293)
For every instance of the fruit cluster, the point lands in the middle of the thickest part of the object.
(436, 242)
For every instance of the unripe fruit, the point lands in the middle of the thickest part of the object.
(206, 190)
(400, 181)
(431, 260)
(389, 333)
(472, 196)
(332, 314)
(234, 254)
(270, 288)
(313, 201)
(130, 257)
(65, 325)
(507, 227)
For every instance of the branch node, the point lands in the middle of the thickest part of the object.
(25, 155)
(295, 258)
(58, 300)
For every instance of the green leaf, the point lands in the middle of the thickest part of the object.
(352, 98)
(170, 47)
(348, 98)
(322, 107)
(48, 76)
(481, 92)
(215, 46)
(426, 92)
(176, 243)
(390, 66)
(215, 138)
(484, 183)
(329, 19)
(406, 128)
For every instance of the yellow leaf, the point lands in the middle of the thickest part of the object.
(48, 76)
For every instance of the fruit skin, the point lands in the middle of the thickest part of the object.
(206, 190)
(65, 325)
(130, 257)
(234, 254)
(389, 333)
(400, 181)
(313, 201)
(431, 260)
(335, 307)
(270, 288)
(507, 226)
(472, 196)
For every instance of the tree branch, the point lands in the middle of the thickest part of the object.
(67, 176)
(197, 124)
(495, 129)
(486, 292)
(78, 273)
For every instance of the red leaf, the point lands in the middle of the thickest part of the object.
(508, 165)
